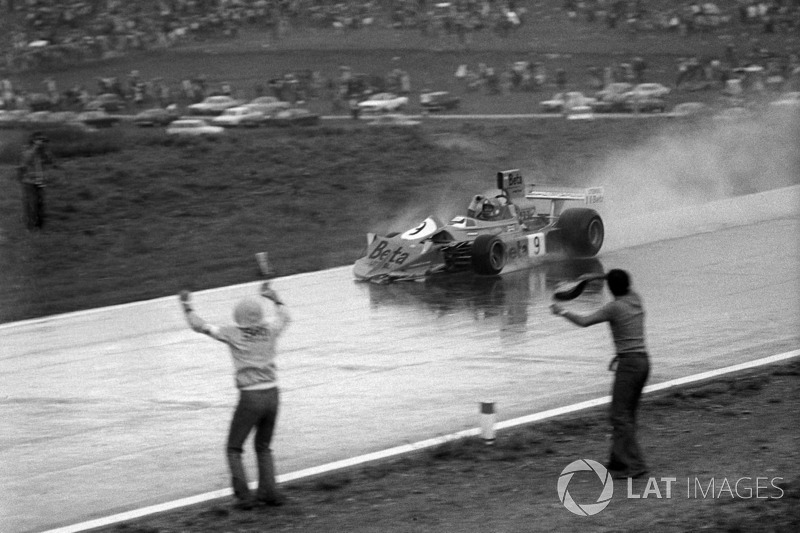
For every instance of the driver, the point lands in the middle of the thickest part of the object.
(490, 209)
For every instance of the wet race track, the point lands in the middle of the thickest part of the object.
(114, 409)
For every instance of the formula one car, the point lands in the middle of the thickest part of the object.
(505, 229)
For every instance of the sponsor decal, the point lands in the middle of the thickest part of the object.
(382, 253)
(594, 195)
(517, 249)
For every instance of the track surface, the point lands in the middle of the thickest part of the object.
(117, 408)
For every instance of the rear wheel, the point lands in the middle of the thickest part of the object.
(488, 254)
(582, 232)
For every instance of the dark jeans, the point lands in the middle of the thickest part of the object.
(33, 196)
(256, 409)
(632, 372)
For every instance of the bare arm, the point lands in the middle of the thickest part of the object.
(578, 319)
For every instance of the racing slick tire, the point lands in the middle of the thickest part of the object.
(488, 255)
(582, 232)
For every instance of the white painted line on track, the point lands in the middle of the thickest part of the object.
(650, 388)
(416, 446)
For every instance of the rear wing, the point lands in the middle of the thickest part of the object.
(558, 196)
(513, 184)
(592, 195)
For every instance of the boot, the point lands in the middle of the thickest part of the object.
(239, 478)
(267, 489)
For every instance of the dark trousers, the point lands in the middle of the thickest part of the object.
(33, 198)
(631, 375)
(257, 410)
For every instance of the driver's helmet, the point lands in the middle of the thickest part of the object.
(487, 205)
(490, 208)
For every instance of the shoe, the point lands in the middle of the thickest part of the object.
(243, 505)
(276, 501)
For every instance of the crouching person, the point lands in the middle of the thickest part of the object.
(252, 343)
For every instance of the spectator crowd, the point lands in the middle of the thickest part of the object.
(72, 30)
(43, 33)
(773, 16)
(48, 32)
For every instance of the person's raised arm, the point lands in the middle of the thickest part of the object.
(195, 322)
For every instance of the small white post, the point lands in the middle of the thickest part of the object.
(487, 422)
(263, 264)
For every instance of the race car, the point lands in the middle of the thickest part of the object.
(504, 229)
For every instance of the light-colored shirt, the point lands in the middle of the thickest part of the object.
(252, 348)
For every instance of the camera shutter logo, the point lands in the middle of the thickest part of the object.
(591, 508)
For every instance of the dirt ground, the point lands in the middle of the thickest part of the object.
(730, 446)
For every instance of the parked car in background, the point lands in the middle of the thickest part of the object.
(790, 99)
(213, 105)
(155, 117)
(13, 117)
(108, 102)
(43, 117)
(576, 105)
(643, 104)
(439, 100)
(193, 126)
(295, 116)
(39, 102)
(690, 108)
(242, 116)
(613, 90)
(651, 90)
(267, 104)
(383, 103)
(553, 105)
(97, 119)
(611, 99)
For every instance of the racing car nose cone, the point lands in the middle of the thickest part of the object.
(363, 271)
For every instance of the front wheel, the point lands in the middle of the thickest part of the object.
(582, 231)
(488, 255)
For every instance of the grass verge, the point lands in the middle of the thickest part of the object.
(733, 429)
